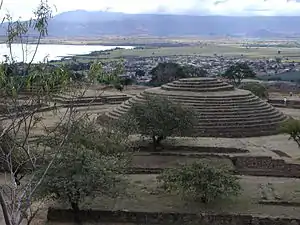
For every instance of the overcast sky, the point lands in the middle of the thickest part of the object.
(24, 8)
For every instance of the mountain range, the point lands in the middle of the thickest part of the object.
(82, 23)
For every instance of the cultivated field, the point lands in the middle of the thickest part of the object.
(201, 47)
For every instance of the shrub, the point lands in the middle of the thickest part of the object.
(257, 89)
(200, 182)
(292, 127)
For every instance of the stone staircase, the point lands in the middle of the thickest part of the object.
(222, 110)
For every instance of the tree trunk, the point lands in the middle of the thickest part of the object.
(76, 211)
(159, 139)
(156, 141)
(4, 209)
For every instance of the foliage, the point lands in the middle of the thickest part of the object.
(110, 77)
(166, 72)
(89, 164)
(158, 118)
(200, 181)
(26, 88)
(237, 72)
(193, 71)
(140, 73)
(127, 81)
(292, 127)
(256, 88)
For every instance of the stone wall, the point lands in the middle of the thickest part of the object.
(289, 103)
(265, 166)
(64, 215)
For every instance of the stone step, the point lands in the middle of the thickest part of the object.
(267, 110)
(190, 82)
(253, 102)
(212, 89)
(111, 115)
(250, 119)
(264, 108)
(236, 133)
(240, 99)
(230, 97)
(229, 126)
(198, 86)
(124, 107)
(228, 132)
(199, 80)
(261, 107)
(115, 113)
(179, 99)
(239, 116)
(240, 123)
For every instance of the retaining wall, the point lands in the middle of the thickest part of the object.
(266, 166)
(64, 215)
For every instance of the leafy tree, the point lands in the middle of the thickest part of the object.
(89, 164)
(292, 127)
(158, 118)
(127, 81)
(140, 73)
(258, 89)
(166, 72)
(237, 72)
(193, 71)
(200, 182)
(110, 77)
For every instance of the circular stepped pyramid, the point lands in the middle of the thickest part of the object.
(222, 110)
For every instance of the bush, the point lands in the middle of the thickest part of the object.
(292, 127)
(200, 182)
(257, 89)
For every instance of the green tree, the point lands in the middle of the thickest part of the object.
(200, 182)
(127, 81)
(166, 72)
(292, 128)
(158, 118)
(237, 72)
(89, 164)
(110, 77)
(258, 89)
(193, 71)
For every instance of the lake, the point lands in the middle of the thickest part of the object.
(52, 52)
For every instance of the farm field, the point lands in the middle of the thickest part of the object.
(209, 50)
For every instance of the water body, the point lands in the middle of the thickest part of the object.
(52, 52)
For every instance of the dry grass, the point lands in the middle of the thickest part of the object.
(145, 195)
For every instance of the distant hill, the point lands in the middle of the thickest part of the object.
(91, 24)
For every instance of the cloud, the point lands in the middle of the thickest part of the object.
(214, 7)
(197, 7)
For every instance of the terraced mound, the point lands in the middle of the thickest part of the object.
(222, 110)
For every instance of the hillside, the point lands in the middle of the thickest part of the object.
(91, 24)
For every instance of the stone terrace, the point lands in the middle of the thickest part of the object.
(222, 110)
